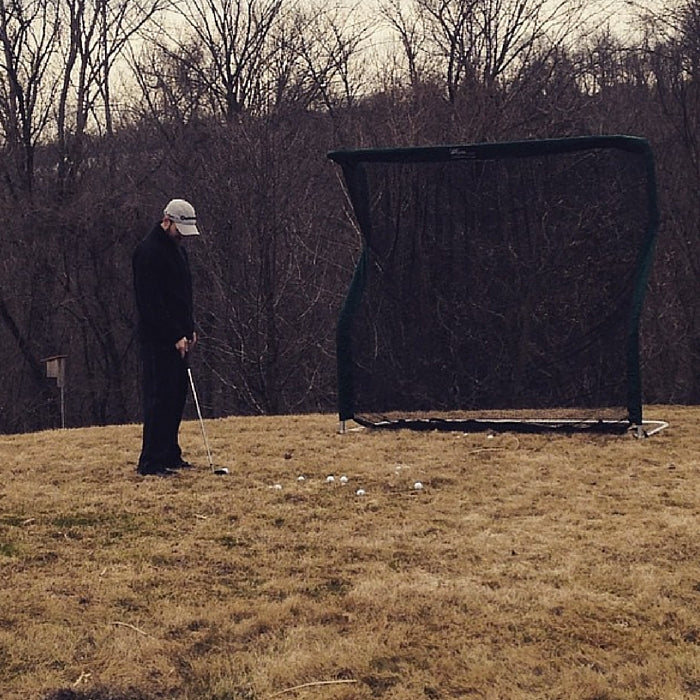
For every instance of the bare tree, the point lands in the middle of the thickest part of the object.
(480, 41)
(408, 25)
(231, 49)
(673, 45)
(329, 46)
(28, 43)
(98, 34)
(267, 267)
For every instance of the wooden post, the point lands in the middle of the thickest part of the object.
(56, 369)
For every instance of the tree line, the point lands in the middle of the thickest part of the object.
(108, 110)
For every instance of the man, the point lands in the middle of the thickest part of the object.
(163, 290)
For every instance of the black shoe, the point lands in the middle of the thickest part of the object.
(156, 471)
(183, 464)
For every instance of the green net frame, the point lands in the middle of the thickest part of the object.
(471, 412)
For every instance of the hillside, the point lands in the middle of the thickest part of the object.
(527, 566)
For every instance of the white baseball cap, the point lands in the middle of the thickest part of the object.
(182, 214)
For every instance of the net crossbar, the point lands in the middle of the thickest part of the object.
(499, 286)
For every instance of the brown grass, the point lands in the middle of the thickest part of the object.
(529, 566)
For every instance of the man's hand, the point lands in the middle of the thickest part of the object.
(184, 345)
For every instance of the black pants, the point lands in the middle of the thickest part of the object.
(164, 394)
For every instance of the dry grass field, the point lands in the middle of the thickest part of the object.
(528, 566)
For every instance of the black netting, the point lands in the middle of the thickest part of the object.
(497, 284)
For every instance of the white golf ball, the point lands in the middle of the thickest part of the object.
(360, 492)
(277, 487)
(343, 479)
(301, 477)
(330, 478)
(418, 486)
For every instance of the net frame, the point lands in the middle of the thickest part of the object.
(352, 164)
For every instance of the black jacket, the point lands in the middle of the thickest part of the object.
(163, 289)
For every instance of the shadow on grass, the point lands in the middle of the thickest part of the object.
(99, 693)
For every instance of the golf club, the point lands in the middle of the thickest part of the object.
(222, 470)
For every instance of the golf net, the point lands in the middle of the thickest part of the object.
(499, 285)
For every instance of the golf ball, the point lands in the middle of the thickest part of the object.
(418, 486)
(360, 492)
(301, 477)
(343, 479)
(330, 479)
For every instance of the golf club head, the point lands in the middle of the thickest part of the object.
(221, 471)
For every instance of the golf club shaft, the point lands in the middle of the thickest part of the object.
(201, 420)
